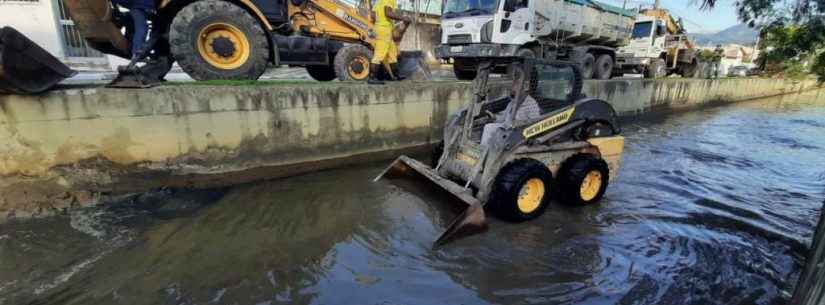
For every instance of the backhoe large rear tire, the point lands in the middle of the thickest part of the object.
(352, 63)
(214, 39)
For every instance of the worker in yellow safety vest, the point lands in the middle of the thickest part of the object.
(386, 52)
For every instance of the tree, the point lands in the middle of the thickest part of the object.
(792, 31)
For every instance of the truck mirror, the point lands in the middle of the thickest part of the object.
(509, 5)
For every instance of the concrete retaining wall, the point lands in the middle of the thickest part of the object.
(83, 146)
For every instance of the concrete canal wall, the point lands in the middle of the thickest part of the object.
(84, 146)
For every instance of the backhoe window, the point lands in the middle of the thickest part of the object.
(554, 82)
(642, 29)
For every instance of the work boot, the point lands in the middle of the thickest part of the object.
(394, 72)
(373, 78)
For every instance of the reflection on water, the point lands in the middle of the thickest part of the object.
(711, 207)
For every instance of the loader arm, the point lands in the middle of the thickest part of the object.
(334, 20)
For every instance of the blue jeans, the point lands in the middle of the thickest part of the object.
(139, 17)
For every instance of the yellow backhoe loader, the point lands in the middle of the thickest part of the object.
(238, 39)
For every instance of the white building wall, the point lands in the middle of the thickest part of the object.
(35, 19)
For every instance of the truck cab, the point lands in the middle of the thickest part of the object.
(647, 40)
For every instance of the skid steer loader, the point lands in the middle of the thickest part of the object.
(512, 155)
(238, 39)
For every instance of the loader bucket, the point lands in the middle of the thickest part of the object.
(25, 67)
(413, 66)
(470, 221)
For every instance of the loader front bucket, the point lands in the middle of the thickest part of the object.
(470, 221)
(25, 67)
(412, 65)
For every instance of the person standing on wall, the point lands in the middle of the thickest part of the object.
(139, 12)
(386, 52)
(718, 53)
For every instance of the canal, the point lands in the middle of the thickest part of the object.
(715, 206)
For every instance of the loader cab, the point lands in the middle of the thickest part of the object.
(552, 84)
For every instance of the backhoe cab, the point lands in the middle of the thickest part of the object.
(512, 153)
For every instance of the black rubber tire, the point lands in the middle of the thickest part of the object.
(187, 25)
(656, 69)
(587, 64)
(346, 56)
(604, 67)
(690, 71)
(508, 184)
(464, 70)
(438, 149)
(571, 176)
(321, 73)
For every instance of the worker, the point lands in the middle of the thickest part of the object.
(386, 52)
(718, 53)
(528, 110)
(139, 12)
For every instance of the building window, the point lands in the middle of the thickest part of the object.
(73, 43)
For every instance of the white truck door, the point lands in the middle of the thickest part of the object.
(516, 27)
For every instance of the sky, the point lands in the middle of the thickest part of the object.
(696, 20)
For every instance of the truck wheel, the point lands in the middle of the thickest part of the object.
(521, 190)
(521, 53)
(587, 65)
(464, 70)
(583, 179)
(213, 39)
(604, 67)
(689, 70)
(656, 69)
(321, 73)
(352, 63)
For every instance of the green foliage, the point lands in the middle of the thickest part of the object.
(793, 32)
(706, 55)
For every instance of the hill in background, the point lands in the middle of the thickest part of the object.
(738, 34)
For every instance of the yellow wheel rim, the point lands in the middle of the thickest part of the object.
(359, 68)
(223, 46)
(591, 185)
(530, 195)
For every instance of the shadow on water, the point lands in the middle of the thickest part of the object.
(714, 206)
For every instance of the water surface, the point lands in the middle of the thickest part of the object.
(711, 207)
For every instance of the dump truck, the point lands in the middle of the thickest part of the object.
(514, 153)
(238, 39)
(582, 31)
(659, 46)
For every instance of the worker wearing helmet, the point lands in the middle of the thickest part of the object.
(386, 52)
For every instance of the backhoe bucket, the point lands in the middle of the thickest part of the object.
(25, 67)
(471, 221)
(412, 65)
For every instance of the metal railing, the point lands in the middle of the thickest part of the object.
(73, 43)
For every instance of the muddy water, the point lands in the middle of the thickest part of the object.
(711, 207)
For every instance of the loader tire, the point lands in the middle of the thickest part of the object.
(214, 39)
(521, 190)
(352, 63)
(321, 73)
(588, 63)
(604, 67)
(582, 180)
